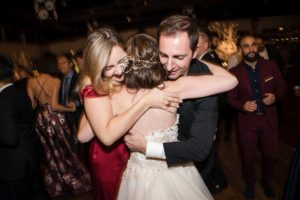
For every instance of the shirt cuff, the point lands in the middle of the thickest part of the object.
(155, 150)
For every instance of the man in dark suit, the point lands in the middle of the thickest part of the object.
(204, 51)
(269, 52)
(68, 94)
(254, 98)
(20, 150)
(177, 38)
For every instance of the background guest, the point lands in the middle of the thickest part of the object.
(69, 79)
(215, 178)
(20, 148)
(65, 174)
(254, 98)
(269, 52)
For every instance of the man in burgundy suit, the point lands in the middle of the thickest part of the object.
(254, 98)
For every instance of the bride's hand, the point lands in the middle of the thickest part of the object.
(158, 98)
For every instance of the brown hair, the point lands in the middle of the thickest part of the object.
(180, 23)
(144, 69)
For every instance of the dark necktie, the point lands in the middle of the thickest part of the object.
(66, 90)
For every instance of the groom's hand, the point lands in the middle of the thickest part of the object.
(135, 141)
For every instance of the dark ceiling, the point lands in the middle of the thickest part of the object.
(19, 22)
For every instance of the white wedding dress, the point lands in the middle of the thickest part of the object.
(151, 179)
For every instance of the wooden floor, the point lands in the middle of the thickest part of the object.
(231, 163)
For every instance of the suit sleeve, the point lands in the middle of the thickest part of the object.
(233, 97)
(8, 126)
(202, 133)
(280, 86)
(74, 93)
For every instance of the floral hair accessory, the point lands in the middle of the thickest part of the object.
(130, 63)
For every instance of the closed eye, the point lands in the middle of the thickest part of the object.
(107, 68)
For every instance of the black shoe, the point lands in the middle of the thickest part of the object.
(249, 192)
(224, 183)
(269, 192)
(217, 187)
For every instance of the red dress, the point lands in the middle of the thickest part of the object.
(107, 163)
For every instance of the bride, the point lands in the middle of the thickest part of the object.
(146, 178)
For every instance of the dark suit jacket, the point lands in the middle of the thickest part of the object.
(197, 126)
(72, 96)
(20, 149)
(22, 83)
(212, 57)
(270, 80)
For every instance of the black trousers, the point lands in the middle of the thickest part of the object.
(17, 189)
(29, 188)
(211, 170)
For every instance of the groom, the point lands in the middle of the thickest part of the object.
(178, 37)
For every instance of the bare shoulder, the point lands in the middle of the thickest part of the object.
(30, 81)
(55, 80)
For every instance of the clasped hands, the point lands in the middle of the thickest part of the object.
(251, 106)
(72, 105)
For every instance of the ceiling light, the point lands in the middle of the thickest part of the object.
(45, 9)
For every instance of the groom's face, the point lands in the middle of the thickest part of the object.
(175, 54)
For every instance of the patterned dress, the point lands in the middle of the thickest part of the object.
(64, 173)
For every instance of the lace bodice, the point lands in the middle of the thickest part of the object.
(167, 135)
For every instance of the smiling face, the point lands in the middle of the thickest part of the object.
(175, 54)
(114, 68)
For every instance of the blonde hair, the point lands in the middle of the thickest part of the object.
(95, 58)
